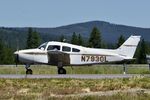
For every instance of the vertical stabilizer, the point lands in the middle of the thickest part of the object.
(128, 48)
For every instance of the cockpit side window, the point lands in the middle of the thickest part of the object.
(75, 50)
(53, 47)
(65, 48)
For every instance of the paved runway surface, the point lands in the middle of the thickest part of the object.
(74, 76)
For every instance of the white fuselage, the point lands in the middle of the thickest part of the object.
(54, 52)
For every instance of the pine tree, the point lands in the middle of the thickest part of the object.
(141, 57)
(29, 38)
(6, 54)
(62, 38)
(95, 38)
(36, 39)
(74, 39)
(80, 40)
(121, 40)
(1, 52)
(33, 39)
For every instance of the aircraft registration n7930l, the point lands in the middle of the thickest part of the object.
(64, 54)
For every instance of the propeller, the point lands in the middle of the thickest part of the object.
(16, 54)
(16, 59)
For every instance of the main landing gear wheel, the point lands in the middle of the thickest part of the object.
(29, 72)
(61, 71)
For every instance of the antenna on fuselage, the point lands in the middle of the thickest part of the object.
(64, 40)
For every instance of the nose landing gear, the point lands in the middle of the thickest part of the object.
(28, 71)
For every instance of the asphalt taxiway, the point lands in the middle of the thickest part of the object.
(73, 76)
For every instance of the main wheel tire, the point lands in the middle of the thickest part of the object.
(29, 71)
(61, 71)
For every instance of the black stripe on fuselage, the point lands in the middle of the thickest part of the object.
(130, 45)
(36, 53)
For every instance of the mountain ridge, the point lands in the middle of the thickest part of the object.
(109, 32)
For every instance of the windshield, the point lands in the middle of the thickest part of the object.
(43, 46)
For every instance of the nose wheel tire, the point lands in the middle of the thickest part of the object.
(29, 71)
(61, 71)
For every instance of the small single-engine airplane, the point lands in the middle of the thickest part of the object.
(63, 54)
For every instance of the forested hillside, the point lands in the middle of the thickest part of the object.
(110, 32)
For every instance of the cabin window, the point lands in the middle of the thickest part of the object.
(53, 47)
(75, 50)
(65, 48)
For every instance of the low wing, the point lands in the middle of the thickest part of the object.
(126, 61)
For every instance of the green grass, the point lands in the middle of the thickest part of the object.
(118, 96)
(54, 89)
(47, 89)
(97, 69)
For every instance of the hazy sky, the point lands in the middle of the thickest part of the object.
(53, 13)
